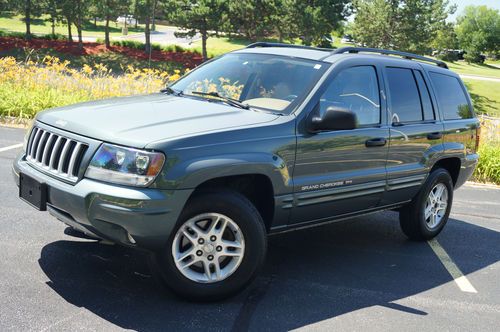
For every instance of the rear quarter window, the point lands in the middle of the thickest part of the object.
(451, 97)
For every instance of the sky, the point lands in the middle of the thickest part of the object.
(464, 3)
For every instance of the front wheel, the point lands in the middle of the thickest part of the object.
(217, 247)
(426, 215)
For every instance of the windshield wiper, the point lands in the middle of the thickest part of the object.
(230, 101)
(171, 91)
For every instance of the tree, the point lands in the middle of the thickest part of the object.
(252, 18)
(313, 19)
(375, 22)
(108, 9)
(445, 42)
(408, 25)
(478, 31)
(145, 11)
(51, 7)
(67, 11)
(80, 8)
(29, 9)
(196, 16)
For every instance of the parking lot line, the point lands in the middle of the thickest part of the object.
(10, 147)
(462, 282)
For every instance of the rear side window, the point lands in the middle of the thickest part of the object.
(425, 97)
(404, 96)
(451, 97)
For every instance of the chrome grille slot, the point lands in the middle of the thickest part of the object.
(55, 154)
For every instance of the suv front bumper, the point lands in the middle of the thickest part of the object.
(110, 211)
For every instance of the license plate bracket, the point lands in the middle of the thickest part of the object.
(33, 192)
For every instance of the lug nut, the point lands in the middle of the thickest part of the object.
(199, 253)
(219, 248)
(210, 257)
(213, 238)
(201, 241)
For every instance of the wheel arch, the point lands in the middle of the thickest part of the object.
(256, 187)
(450, 164)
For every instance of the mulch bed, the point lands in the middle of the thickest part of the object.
(187, 59)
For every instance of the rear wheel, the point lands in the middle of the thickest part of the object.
(426, 215)
(217, 247)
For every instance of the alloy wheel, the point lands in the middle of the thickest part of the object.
(435, 205)
(208, 248)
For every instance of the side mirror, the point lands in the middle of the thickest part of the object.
(335, 118)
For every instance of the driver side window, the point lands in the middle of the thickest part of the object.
(355, 89)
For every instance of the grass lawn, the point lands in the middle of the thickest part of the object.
(113, 60)
(486, 96)
(217, 46)
(487, 70)
(42, 25)
(220, 45)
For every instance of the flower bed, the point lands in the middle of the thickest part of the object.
(27, 88)
(186, 58)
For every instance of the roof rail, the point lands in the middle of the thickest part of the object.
(267, 44)
(405, 55)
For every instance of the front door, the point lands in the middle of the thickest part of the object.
(343, 171)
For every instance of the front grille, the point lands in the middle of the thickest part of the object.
(55, 154)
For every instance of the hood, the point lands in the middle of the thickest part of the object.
(138, 120)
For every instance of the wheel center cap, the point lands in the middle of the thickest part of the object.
(208, 248)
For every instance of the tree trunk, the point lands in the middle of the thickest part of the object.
(27, 18)
(79, 25)
(204, 37)
(280, 35)
(70, 35)
(53, 22)
(80, 37)
(95, 22)
(153, 27)
(52, 5)
(106, 32)
(136, 11)
(147, 34)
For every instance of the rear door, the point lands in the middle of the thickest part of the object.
(416, 131)
(460, 125)
(343, 171)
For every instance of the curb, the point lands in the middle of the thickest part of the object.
(482, 185)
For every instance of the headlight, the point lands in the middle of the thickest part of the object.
(127, 166)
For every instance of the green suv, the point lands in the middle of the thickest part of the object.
(267, 139)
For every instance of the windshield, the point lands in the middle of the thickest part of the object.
(264, 81)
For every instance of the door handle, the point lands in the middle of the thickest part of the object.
(380, 141)
(436, 135)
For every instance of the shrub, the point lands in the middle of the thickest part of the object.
(474, 57)
(450, 56)
(56, 36)
(13, 34)
(488, 168)
(173, 48)
(155, 46)
(128, 43)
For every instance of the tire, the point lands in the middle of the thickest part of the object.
(204, 215)
(412, 217)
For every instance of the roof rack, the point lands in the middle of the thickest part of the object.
(267, 44)
(405, 55)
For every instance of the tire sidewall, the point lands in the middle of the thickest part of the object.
(240, 210)
(438, 176)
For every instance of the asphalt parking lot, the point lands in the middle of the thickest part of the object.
(362, 275)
